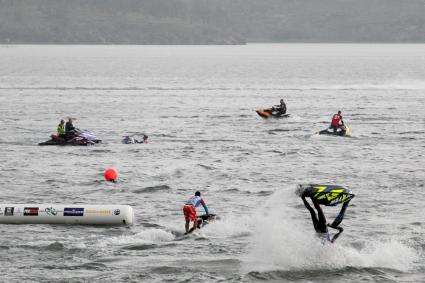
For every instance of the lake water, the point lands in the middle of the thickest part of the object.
(197, 104)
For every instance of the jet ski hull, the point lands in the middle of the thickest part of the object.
(268, 113)
(340, 132)
(75, 141)
(206, 219)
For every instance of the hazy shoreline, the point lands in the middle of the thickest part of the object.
(197, 22)
(247, 43)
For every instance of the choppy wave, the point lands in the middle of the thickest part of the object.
(206, 136)
(347, 274)
(152, 189)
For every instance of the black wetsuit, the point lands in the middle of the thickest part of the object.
(318, 223)
(281, 108)
(69, 129)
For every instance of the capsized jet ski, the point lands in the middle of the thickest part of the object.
(271, 112)
(342, 131)
(206, 219)
(81, 138)
(328, 195)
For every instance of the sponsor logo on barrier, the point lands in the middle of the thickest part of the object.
(98, 211)
(73, 211)
(51, 211)
(117, 212)
(8, 211)
(31, 211)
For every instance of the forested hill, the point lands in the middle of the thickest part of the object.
(210, 21)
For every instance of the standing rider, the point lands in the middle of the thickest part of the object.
(336, 122)
(61, 129)
(189, 211)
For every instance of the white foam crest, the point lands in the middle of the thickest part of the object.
(228, 226)
(79, 245)
(155, 235)
(390, 254)
(282, 240)
(148, 236)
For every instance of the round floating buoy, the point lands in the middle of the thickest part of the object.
(110, 175)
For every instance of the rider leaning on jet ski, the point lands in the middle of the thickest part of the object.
(189, 211)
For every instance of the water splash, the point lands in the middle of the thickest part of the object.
(282, 240)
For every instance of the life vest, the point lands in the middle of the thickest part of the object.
(335, 120)
(61, 130)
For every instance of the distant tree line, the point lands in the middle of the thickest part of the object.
(210, 21)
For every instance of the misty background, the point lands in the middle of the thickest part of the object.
(210, 21)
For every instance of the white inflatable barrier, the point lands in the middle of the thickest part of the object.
(66, 214)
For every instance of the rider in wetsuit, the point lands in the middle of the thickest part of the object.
(320, 224)
(336, 122)
(281, 108)
(69, 128)
(189, 211)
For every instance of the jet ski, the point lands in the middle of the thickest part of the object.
(271, 112)
(206, 219)
(80, 138)
(342, 132)
(328, 195)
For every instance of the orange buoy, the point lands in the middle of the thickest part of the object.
(110, 175)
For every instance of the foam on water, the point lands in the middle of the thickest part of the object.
(146, 236)
(283, 240)
(228, 226)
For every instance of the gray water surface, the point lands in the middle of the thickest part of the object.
(197, 104)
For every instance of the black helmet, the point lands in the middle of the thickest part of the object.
(198, 193)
